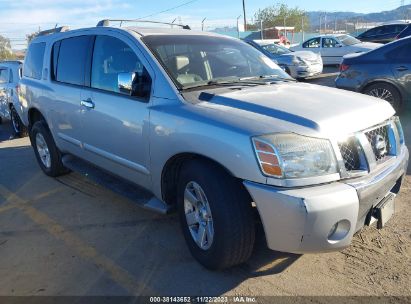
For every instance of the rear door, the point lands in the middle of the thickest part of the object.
(4, 79)
(332, 51)
(116, 123)
(70, 63)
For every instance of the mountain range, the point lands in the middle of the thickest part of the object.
(400, 13)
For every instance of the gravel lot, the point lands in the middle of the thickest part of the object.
(68, 236)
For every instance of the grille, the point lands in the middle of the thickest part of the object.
(379, 141)
(350, 152)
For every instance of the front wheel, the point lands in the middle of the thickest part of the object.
(47, 154)
(18, 127)
(386, 92)
(215, 215)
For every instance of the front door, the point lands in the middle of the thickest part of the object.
(116, 123)
(4, 81)
(401, 67)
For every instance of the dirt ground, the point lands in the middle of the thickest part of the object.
(67, 236)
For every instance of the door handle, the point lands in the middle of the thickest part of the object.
(88, 103)
(402, 69)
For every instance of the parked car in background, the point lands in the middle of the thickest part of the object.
(299, 65)
(10, 107)
(383, 73)
(405, 33)
(212, 128)
(383, 33)
(333, 47)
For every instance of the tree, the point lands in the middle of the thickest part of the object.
(5, 49)
(275, 15)
(31, 36)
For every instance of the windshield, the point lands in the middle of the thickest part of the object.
(348, 40)
(197, 60)
(275, 49)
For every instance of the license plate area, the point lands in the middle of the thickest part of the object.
(384, 210)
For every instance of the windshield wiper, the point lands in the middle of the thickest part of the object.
(271, 77)
(224, 82)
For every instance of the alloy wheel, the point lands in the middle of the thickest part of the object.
(43, 150)
(198, 215)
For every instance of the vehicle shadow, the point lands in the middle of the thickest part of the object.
(150, 247)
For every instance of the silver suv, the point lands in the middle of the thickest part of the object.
(10, 106)
(209, 126)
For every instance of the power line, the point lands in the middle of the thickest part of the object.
(168, 9)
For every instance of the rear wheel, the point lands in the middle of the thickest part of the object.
(386, 92)
(18, 127)
(47, 154)
(215, 214)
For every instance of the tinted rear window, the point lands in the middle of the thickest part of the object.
(71, 59)
(33, 64)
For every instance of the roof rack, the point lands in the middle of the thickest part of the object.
(60, 29)
(106, 22)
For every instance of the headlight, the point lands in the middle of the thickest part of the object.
(299, 61)
(400, 130)
(294, 156)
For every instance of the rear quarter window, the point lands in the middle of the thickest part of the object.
(33, 64)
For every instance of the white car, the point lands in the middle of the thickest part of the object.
(333, 47)
(299, 65)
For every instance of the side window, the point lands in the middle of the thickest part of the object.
(33, 64)
(312, 43)
(3, 76)
(71, 59)
(113, 60)
(329, 43)
(11, 76)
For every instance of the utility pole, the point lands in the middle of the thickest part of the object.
(202, 24)
(238, 26)
(261, 29)
(245, 18)
(335, 23)
(319, 31)
(302, 29)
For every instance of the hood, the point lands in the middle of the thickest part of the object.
(295, 107)
(305, 55)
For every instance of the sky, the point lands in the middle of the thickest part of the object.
(18, 18)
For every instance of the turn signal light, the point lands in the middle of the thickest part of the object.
(267, 158)
(344, 67)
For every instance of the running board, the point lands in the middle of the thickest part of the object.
(118, 185)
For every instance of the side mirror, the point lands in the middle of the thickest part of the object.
(125, 83)
(339, 45)
(135, 84)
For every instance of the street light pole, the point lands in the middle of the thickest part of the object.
(202, 24)
(245, 18)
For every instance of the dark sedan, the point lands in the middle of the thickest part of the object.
(382, 33)
(384, 73)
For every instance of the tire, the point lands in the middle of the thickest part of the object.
(232, 217)
(386, 92)
(41, 139)
(18, 127)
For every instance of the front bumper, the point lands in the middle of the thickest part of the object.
(307, 70)
(300, 220)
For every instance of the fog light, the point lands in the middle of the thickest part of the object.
(339, 231)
